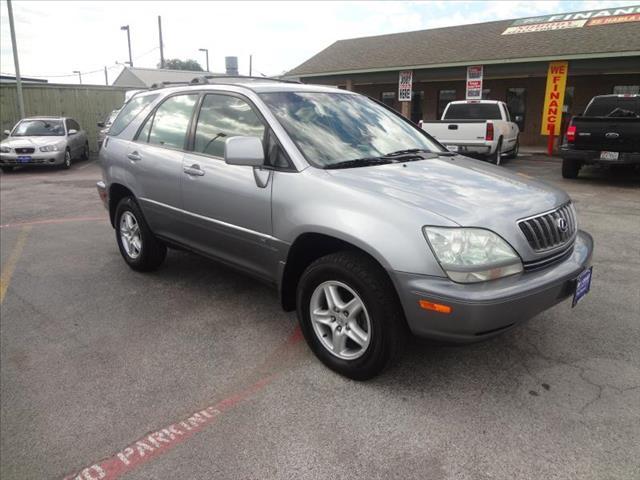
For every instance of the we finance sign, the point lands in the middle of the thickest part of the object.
(565, 21)
(554, 98)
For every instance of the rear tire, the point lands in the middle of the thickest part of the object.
(85, 152)
(496, 156)
(570, 167)
(355, 277)
(138, 245)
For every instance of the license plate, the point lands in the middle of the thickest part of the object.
(23, 158)
(452, 148)
(609, 155)
(583, 285)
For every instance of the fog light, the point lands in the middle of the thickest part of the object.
(436, 307)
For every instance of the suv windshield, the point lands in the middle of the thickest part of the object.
(39, 128)
(331, 128)
(472, 111)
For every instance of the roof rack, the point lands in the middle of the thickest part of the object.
(157, 85)
(207, 79)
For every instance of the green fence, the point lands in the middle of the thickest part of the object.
(87, 104)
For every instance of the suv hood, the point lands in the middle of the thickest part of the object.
(468, 192)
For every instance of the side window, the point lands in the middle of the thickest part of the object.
(67, 124)
(223, 116)
(129, 112)
(73, 124)
(143, 135)
(276, 157)
(171, 121)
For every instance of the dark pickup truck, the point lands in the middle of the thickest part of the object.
(608, 133)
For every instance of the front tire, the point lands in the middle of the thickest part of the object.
(6, 169)
(66, 164)
(570, 168)
(138, 245)
(350, 315)
(85, 152)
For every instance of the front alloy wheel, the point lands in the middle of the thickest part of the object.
(340, 320)
(67, 160)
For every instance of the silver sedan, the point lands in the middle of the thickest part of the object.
(43, 141)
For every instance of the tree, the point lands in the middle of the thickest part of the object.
(177, 64)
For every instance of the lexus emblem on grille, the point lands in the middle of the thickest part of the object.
(562, 224)
(612, 135)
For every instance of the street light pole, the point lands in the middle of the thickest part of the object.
(160, 37)
(16, 63)
(79, 75)
(126, 27)
(206, 50)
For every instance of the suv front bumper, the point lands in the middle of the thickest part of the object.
(483, 310)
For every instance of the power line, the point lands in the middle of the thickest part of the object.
(83, 73)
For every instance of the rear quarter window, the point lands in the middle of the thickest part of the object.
(613, 106)
(129, 112)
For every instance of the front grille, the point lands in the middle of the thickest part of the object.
(544, 231)
(25, 150)
(548, 261)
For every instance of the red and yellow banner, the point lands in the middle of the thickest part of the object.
(554, 98)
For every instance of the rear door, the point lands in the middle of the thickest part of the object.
(74, 141)
(155, 161)
(227, 206)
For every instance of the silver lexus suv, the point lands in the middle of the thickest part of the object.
(367, 226)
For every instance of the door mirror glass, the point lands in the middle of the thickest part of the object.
(73, 131)
(244, 151)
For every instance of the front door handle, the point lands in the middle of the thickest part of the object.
(135, 156)
(194, 170)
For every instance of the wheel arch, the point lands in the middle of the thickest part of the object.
(117, 192)
(307, 248)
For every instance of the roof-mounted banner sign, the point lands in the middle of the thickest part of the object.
(563, 21)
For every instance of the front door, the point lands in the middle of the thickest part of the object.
(228, 209)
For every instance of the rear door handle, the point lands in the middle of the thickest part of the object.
(135, 156)
(194, 170)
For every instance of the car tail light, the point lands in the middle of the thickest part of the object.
(489, 134)
(571, 133)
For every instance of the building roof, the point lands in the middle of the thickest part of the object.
(145, 77)
(481, 43)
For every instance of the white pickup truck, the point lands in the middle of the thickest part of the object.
(477, 128)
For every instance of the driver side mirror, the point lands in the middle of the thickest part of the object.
(244, 151)
(73, 131)
(7, 132)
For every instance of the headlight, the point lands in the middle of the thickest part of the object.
(50, 148)
(4, 149)
(471, 255)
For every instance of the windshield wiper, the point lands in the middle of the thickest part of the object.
(407, 152)
(359, 162)
(414, 154)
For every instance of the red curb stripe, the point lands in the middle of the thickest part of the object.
(161, 441)
(54, 220)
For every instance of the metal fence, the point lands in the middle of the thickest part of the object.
(87, 104)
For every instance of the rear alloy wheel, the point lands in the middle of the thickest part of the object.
(350, 315)
(66, 164)
(514, 153)
(138, 246)
(496, 156)
(570, 167)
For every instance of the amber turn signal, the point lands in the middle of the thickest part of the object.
(436, 307)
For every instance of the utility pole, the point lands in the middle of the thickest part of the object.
(161, 47)
(16, 63)
(206, 50)
(126, 27)
(106, 77)
(79, 75)
(250, 64)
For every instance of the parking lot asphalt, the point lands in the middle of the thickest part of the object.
(195, 372)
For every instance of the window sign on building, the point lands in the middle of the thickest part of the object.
(404, 86)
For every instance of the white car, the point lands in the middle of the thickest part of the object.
(477, 128)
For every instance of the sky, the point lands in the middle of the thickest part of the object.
(55, 37)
